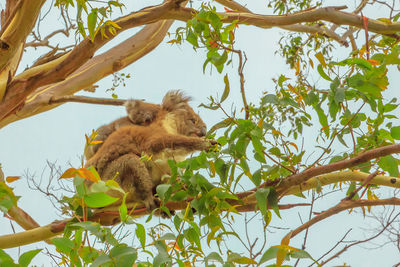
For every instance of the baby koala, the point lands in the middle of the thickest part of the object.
(139, 113)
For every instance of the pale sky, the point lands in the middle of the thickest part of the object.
(58, 135)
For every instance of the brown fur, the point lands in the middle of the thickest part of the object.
(139, 113)
(175, 132)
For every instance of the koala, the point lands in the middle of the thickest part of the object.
(175, 132)
(139, 113)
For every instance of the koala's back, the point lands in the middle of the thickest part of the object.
(131, 139)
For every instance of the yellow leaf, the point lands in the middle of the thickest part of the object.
(95, 142)
(294, 145)
(297, 67)
(260, 123)
(280, 256)
(386, 20)
(112, 183)
(311, 63)
(112, 23)
(363, 210)
(87, 139)
(71, 172)
(373, 62)
(321, 59)
(212, 168)
(11, 179)
(293, 90)
(88, 175)
(276, 132)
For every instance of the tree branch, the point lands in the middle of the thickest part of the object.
(87, 100)
(294, 180)
(95, 69)
(105, 216)
(343, 205)
(24, 84)
(15, 32)
(343, 176)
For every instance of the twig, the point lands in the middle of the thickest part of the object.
(87, 100)
(365, 183)
(337, 244)
(333, 138)
(359, 242)
(278, 163)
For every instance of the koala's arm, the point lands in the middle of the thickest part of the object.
(188, 143)
(140, 112)
(103, 132)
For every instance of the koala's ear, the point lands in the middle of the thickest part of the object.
(174, 100)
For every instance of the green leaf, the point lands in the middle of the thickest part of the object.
(226, 90)
(27, 257)
(123, 210)
(192, 38)
(300, 254)
(222, 124)
(389, 164)
(124, 255)
(262, 199)
(92, 19)
(214, 256)
(395, 132)
(5, 259)
(322, 73)
(369, 86)
(269, 99)
(273, 201)
(63, 244)
(244, 260)
(141, 234)
(339, 95)
(258, 146)
(162, 191)
(322, 119)
(102, 260)
(269, 255)
(98, 200)
(256, 177)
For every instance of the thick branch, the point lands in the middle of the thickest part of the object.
(295, 27)
(330, 14)
(24, 84)
(342, 176)
(106, 216)
(20, 26)
(297, 179)
(95, 69)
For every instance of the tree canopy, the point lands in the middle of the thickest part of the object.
(320, 139)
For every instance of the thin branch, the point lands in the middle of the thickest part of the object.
(337, 244)
(341, 206)
(360, 241)
(87, 100)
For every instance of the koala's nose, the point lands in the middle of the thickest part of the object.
(203, 131)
